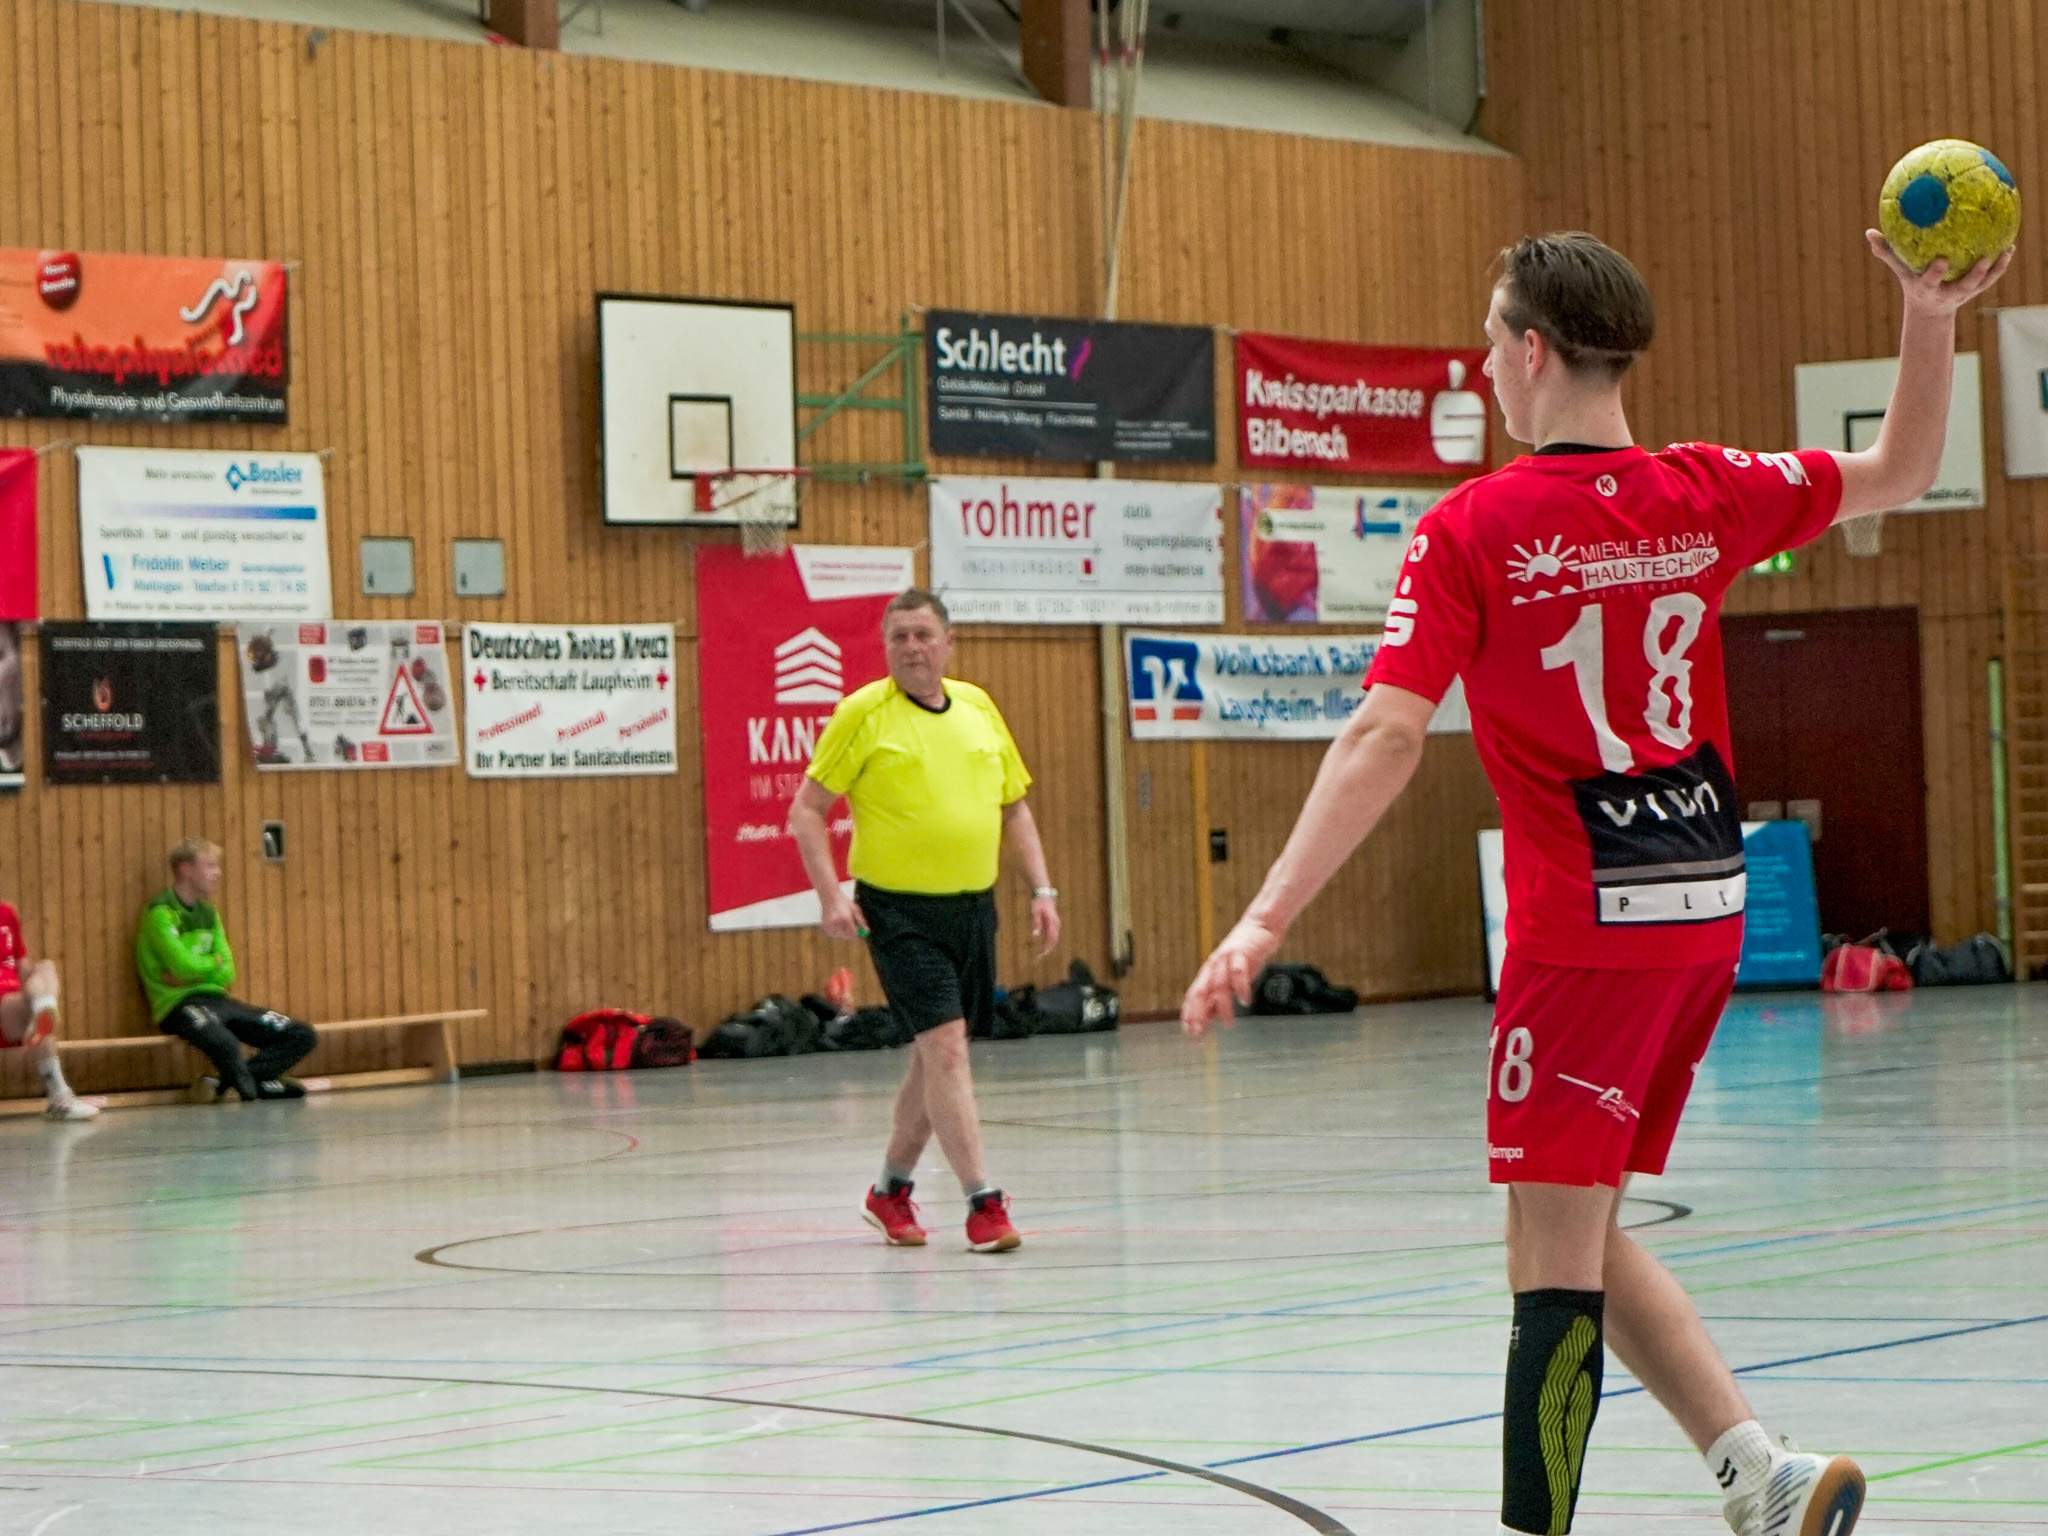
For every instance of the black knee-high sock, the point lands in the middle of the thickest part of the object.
(1553, 1394)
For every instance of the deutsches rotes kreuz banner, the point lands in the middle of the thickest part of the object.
(556, 701)
(1253, 687)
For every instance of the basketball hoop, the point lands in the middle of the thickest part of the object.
(1864, 535)
(761, 502)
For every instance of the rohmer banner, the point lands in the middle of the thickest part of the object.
(348, 695)
(1253, 687)
(780, 641)
(141, 338)
(1338, 407)
(1021, 551)
(1026, 386)
(563, 700)
(1317, 554)
(166, 533)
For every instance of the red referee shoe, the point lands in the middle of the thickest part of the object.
(894, 1217)
(988, 1224)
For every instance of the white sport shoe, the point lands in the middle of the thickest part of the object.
(72, 1110)
(1803, 1496)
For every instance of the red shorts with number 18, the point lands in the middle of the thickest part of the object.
(1589, 1069)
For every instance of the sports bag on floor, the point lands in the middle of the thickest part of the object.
(1299, 989)
(599, 1041)
(1975, 962)
(1864, 968)
(775, 1026)
(1078, 1005)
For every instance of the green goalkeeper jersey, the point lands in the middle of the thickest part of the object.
(181, 952)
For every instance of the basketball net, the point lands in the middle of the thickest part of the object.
(762, 503)
(1864, 535)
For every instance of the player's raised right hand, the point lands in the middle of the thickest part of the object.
(1226, 977)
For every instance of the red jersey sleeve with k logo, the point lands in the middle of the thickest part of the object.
(1579, 596)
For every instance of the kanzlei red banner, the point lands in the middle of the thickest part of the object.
(780, 640)
(1345, 408)
(18, 596)
(141, 338)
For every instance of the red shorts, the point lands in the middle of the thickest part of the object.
(1589, 1070)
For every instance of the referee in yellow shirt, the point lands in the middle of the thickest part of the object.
(935, 783)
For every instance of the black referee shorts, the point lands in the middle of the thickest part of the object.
(936, 955)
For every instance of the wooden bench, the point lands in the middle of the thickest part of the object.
(135, 1070)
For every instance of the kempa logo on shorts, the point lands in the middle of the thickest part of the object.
(1611, 1099)
(1505, 1154)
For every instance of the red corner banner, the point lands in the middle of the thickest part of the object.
(18, 595)
(141, 338)
(780, 641)
(1344, 408)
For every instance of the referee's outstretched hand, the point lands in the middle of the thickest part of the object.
(1225, 978)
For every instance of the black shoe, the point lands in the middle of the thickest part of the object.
(216, 1091)
(280, 1088)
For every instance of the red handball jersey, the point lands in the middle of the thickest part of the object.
(1579, 596)
(12, 949)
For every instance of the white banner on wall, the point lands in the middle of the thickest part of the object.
(1022, 551)
(1324, 554)
(169, 533)
(347, 694)
(563, 700)
(1254, 687)
(1841, 406)
(2023, 386)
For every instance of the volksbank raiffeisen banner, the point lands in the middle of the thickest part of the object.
(556, 701)
(1253, 687)
(218, 537)
(1078, 551)
(1025, 386)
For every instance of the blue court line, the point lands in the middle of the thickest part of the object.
(1860, 1228)
(1387, 1434)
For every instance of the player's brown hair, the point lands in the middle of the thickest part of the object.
(917, 597)
(190, 850)
(1582, 296)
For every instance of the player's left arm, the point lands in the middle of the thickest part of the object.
(1364, 772)
(1020, 830)
(1901, 465)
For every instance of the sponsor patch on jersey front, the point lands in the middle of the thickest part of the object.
(1666, 842)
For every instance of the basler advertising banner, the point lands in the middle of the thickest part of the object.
(1339, 407)
(348, 695)
(1254, 687)
(780, 642)
(166, 533)
(130, 704)
(1009, 551)
(1321, 555)
(19, 595)
(141, 338)
(561, 700)
(1025, 386)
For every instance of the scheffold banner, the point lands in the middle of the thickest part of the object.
(780, 642)
(566, 700)
(141, 338)
(1254, 687)
(1339, 407)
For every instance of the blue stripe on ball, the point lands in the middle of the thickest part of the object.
(1924, 202)
(1999, 166)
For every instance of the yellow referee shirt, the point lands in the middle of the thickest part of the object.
(927, 786)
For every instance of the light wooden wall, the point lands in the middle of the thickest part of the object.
(452, 210)
(1734, 150)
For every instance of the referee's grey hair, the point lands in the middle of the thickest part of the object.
(917, 597)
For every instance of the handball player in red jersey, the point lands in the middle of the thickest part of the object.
(1578, 591)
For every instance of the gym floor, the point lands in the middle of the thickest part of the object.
(646, 1304)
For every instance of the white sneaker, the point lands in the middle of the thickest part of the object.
(1803, 1496)
(71, 1110)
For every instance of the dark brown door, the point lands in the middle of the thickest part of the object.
(1824, 709)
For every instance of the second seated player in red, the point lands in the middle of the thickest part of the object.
(1577, 591)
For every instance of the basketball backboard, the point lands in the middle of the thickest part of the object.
(689, 387)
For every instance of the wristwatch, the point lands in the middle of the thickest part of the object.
(1045, 893)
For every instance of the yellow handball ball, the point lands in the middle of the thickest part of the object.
(1949, 198)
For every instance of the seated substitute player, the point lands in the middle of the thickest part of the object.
(1577, 592)
(936, 785)
(28, 1017)
(182, 956)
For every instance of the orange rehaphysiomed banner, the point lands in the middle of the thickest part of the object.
(141, 338)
